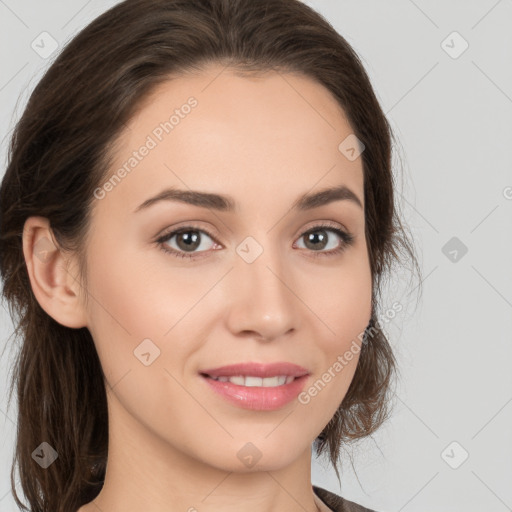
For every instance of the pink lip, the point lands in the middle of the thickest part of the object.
(256, 397)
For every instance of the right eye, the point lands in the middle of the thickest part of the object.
(188, 239)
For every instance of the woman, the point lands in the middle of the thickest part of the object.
(195, 219)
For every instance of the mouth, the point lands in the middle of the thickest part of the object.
(256, 386)
(251, 381)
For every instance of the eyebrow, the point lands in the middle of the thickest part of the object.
(223, 203)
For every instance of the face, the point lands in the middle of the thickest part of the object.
(253, 276)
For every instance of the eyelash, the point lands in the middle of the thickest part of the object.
(347, 240)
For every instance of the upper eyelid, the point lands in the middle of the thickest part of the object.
(212, 232)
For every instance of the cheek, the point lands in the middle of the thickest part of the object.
(346, 300)
(133, 298)
(130, 294)
(345, 308)
(136, 323)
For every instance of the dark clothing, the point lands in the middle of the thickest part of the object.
(337, 503)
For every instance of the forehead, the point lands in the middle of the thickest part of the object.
(270, 136)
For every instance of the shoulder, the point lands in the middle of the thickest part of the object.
(337, 503)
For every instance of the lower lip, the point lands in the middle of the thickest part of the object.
(256, 397)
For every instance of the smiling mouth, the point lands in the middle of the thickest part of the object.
(252, 381)
(259, 393)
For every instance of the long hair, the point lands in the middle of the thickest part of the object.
(60, 153)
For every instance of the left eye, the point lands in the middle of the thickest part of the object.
(189, 239)
(318, 236)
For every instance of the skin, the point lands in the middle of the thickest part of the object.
(173, 442)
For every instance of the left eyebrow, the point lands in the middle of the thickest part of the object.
(223, 203)
(326, 196)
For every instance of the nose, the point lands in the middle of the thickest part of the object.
(262, 302)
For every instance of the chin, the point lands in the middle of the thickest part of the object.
(256, 453)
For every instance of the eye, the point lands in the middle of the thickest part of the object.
(190, 238)
(318, 238)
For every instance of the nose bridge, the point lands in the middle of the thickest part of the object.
(263, 300)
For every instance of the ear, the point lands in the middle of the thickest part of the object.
(53, 283)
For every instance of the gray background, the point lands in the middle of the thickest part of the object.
(452, 117)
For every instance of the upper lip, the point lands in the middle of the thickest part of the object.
(257, 370)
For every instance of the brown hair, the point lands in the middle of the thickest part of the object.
(60, 153)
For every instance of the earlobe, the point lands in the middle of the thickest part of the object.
(53, 283)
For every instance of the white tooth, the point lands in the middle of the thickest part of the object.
(253, 381)
(270, 382)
